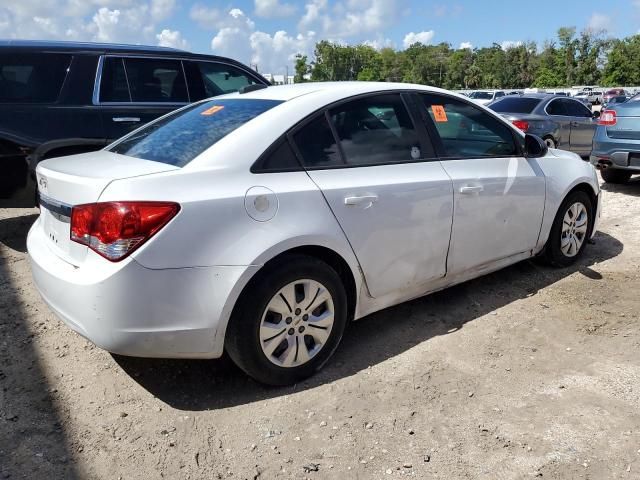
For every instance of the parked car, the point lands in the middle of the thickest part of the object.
(614, 92)
(589, 97)
(484, 97)
(60, 98)
(561, 122)
(260, 223)
(616, 143)
(615, 100)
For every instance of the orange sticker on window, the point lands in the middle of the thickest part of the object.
(212, 110)
(438, 113)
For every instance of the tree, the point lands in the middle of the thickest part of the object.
(302, 69)
(547, 78)
(622, 63)
(567, 52)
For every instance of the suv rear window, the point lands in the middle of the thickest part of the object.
(32, 78)
(515, 105)
(182, 136)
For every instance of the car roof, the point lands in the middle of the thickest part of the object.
(102, 48)
(339, 90)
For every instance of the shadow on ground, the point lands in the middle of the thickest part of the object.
(33, 443)
(211, 384)
(632, 187)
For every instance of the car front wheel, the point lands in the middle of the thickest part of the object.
(570, 230)
(288, 321)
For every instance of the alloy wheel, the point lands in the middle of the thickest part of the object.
(296, 323)
(574, 229)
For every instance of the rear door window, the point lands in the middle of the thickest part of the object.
(156, 80)
(32, 78)
(180, 137)
(577, 109)
(376, 130)
(557, 107)
(113, 85)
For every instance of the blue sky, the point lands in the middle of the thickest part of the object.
(270, 32)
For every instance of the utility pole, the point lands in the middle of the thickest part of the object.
(286, 75)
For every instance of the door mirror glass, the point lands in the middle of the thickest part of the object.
(534, 146)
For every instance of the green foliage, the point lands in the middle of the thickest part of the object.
(586, 58)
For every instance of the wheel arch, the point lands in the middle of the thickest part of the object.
(348, 272)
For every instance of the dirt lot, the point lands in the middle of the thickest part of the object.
(529, 372)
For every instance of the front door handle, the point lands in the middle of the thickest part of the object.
(126, 119)
(365, 200)
(468, 190)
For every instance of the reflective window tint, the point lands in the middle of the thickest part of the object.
(113, 86)
(317, 145)
(557, 107)
(278, 159)
(576, 109)
(156, 80)
(32, 78)
(468, 132)
(219, 78)
(182, 136)
(376, 130)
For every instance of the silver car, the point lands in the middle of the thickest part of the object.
(560, 121)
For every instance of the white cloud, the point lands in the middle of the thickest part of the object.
(172, 38)
(240, 39)
(273, 9)
(380, 43)
(205, 17)
(599, 22)
(162, 9)
(420, 37)
(507, 44)
(464, 45)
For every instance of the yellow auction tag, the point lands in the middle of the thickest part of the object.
(212, 110)
(438, 113)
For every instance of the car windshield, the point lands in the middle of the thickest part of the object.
(481, 95)
(515, 105)
(180, 137)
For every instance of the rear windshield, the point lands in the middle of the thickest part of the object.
(481, 95)
(32, 78)
(515, 105)
(182, 136)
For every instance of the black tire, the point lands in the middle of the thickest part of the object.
(614, 175)
(553, 253)
(242, 340)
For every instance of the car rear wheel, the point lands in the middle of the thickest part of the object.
(570, 230)
(551, 143)
(613, 175)
(288, 321)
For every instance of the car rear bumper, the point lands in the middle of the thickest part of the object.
(128, 309)
(615, 153)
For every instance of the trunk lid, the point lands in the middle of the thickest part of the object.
(68, 181)
(627, 125)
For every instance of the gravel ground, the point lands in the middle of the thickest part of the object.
(528, 372)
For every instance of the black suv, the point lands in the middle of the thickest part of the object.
(62, 98)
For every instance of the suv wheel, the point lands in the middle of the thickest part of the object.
(288, 321)
(614, 175)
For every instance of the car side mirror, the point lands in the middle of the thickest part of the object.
(596, 114)
(534, 146)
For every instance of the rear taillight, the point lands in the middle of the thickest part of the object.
(115, 229)
(521, 124)
(607, 118)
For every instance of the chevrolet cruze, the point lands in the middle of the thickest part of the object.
(261, 222)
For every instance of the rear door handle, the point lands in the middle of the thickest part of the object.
(364, 200)
(468, 190)
(126, 119)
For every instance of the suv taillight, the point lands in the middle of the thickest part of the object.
(115, 229)
(521, 124)
(607, 118)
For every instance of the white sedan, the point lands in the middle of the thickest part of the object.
(261, 222)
